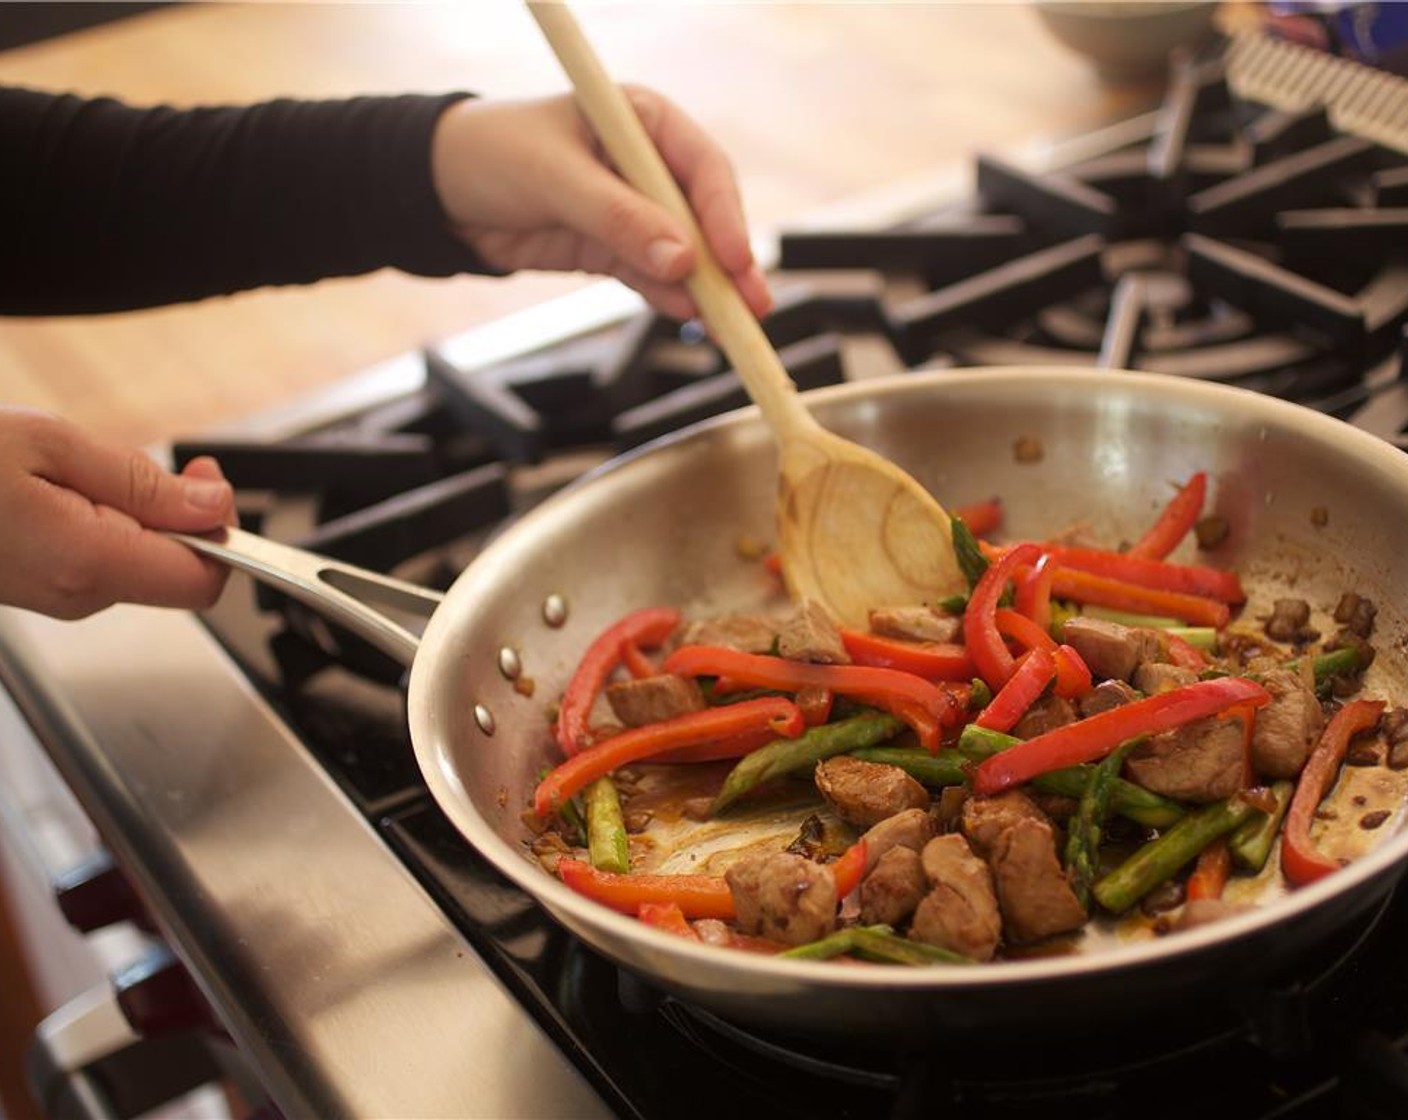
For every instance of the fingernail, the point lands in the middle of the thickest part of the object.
(203, 493)
(664, 256)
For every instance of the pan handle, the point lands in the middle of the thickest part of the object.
(364, 601)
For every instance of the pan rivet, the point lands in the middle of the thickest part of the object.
(554, 610)
(484, 718)
(509, 664)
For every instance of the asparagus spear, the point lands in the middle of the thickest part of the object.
(969, 555)
(942, 769)
(1161, 859)
(1251, 843)
(809, 748)
(1085, 829)
(836, 944)
(1126, 798)
(606, 827)
(879, 944)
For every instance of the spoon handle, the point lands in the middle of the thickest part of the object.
(728, 318)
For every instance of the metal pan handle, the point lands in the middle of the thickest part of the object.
(354, 597)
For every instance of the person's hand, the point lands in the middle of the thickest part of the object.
(76, 521)
(525, 186)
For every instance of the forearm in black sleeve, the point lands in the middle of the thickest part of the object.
(107, 207)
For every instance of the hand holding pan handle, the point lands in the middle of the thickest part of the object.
(364, 601)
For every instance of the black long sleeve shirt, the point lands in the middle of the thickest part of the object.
(107, 207)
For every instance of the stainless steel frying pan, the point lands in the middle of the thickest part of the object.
(1315, 506)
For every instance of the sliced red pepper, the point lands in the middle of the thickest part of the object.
(989, 652)
(735, 746)
(1033, 594)
(1144, 571)
(637, 664)
(981, 517)
(922, 704)
(1102, 591)
(776, 714)
(849, 869)
(772, 562)
(816, 704)
(1211, 872)
(1299, 859)
(697, 896)
(1183, 652)
(1073, 677)
(935, 661)
(666, 916)
(647, 628)
(1177, 518)
(1096, 736)
(1034, 672)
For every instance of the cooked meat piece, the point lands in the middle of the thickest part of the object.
(1200, 761)
(948, 809)
(960, 911)
(1286, 729)
(1158, 676)
(1032, 890)
(747, 633)
(1203, 911)
(808, 634)
(1288, 619)
(1105, 696)
(1054, 806)
(783, 896)
(916, 624)
(651, 699)
(865, 793)
(1394, 727)
(1046, 714)
(1212, 530)
(890, 893)
(1109, 649)
(985, 818)
(912, 829)
(1356, 614)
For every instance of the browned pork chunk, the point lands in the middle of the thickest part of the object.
(747, 633)
(1047, 714)
(808, 634)
(782, 896)
(1110, 649)
(912, 828)
(960, 911)
(1287, 728)
(1032, 889)
(1152, 677)
(651, 699)
(890, 893)
(916, 624)
(865, 793)
(1105, 696)
(985, 818)
(1200, 761)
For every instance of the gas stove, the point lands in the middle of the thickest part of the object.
(250, 770)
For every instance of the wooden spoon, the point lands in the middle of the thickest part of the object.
(854, 531)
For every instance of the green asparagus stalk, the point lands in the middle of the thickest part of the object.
(1161, 859)
(1203, 637)
(1127, 799)
(1086, 828)
(879, 944)
(942, 769)
(788, 755)
(836, 944)
(968, 553)
(606, 827)
(1251, 843)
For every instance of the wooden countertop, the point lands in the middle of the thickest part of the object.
(815, 102)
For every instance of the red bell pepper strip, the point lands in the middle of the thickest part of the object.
(1299, 859)
(935, 661)
(849, 869)
(1033, 594)
(1190, 579)
(636, 663)
(1034, 672)
(776, 714)
(1072, 674)
(697, 896)
(926, 707)
(1211, 872)
(981, 517)
(772, 562)
(1096, 736)
(735, 746)
(666, 916)
(1177, 518)
(1102, 591)
(1183, 652)
(989, 652)
(647, 627)
(816, 704)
